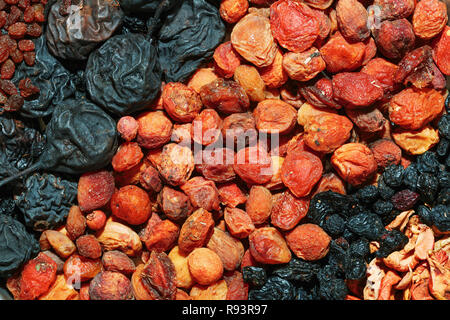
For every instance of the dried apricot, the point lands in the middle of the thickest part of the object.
(383, 71)
(206, 127)
(274, 116)
(37, 276)
(217, 164)
(354, 162)
(352, 20)
(108, 285)
(294, 25)
(268, 246)
(226, 96)
(155, 129)
(201, 77)
(238, 222)
(252, 39)
(250, 80)
(259, 204)
(429, 18)
(215, 291)
(330, 182)
(239, 129)
(118, 261)
(395, 9)
(174, 204)
(229, 249)
(61, 290)
(274, 75)
(413, 108)
(131, 204)
(127, 156)
(233, 10)
(139, 291)
(196, 230)
(303, 66)
(180, 262)
(288, 210)
(226, 59)
(161, 236)
(176, 164)
(58, 241)
(301, 182)
(158, 276)
(237, 288)
(231, 195)
(289, 93)
(367, 120)
(202, 193)
(418, 141)
(395, 38)
(309, 242)
(205, 266)
(118, 236)
(181, 103)
(441, 47)
(253, 165)
(79, 269)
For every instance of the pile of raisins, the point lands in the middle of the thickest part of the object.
(114, 172)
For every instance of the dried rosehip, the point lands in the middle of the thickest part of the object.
(89, 247)
(367, 120)
(309, 242)
(429, 18)
(288, 210)
(176, 164)
(127, 127)
(341, 55)
(155, 129)
(303, 66)
(395, 38)
(206, 127)
(268, 246)
(96, 220)
(128, 155)
(217, 164)
(202, 193)
(95, 189)
(327, 133)
(196, 230)
(226, 59)
(354, 162)
(441, 47)
(413, 108)
(181, 103)
(131, 204)
(294, 25)
(356, 89)
(175, 204)
(253, 165)
(252, 39)
(226, 96)
(233, 10)
(352, 20)
(301, 182)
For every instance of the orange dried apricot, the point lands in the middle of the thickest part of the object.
(131, 204)
(303, 66)
(181, 103)
(429, 18)
(309, 242)
(268, 246)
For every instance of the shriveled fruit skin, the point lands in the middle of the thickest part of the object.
(37, 276)
(181, 103)
(386, 152)
(369, 120)
(301, 182)
(294, 25)
(288, 210)
(395, 38)
(414, 108)
(416, 141)
(354, 162)
(238, 222)
(233, 10)
(79, 269)
(429, 18)
(441, 47)
(274, 116)
(206, 127)
(176, 164)
(383, 71)
(131, 204)
(253, 165)
(252, 39)
(341, 55)
(226, 59)
(303, 66)
(196, 230)
(155, 129)
(268, 246)
(128, 155)
(274, 75)
(217, 164)
(202, 193)
(229, 249)
(119, 236)
(108, 285)
(352, 20)
(309, 242)
(356, 89)
(395, 9)
(250, 80)
(118, 261)
(158, 276)
(215, 291)
(75, 223)
(259, 204)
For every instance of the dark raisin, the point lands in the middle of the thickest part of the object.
(443, 147)
(384, 190)
(334, 225)
(360, 248)
(424, 214)
(256, 277)
(427, 186)
(298, 270)
(367, 225)
(405, 199)
(444, 178)
(410, 177)
(440, 216)
(444, 124)
(275, 288)
(391, 241)
(393, 175)
(428, 162)
(367, 194)
(382, 207)
(355, 267)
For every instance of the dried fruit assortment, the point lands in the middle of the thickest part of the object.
(225, 150)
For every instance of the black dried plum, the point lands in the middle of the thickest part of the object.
(440, 217)
(275, 288)
(17, 246)
(46, 200)
(427, 186)
(392, 240)
(367, 225)
(367, 194)
(256, 277)
(334, 225)
(303, 295)
(188, 37)
(134, 24)
(146, 6)
(349, 235)
(428, 162)
(393, 175)
(410, 177)
(8, 206)
(20, 146)
(50, 76)
(124, 75)
(298, 270)
(405, 199)
(382, 207)
(444, 124)
(75, 32)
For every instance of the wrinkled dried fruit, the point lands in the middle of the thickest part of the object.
(229, 249)
(117, 236)
(309, 242)
(95, 189)
(238, 222)
(79, 269)
(202, 193)
(441, 47)
(288, 210)
(205, 266)
(231, 195)
(181, 103)
(259, 204)
(253, 165)
(274, 75)
(89, 247)
(127, 127)
(303, 66)
(233, 10)
(386, 153)
(416, 142)
(75, 223)
(60, 243)
(176, 164)
(180, 262)
(131, 204)
(155, 129)
(158, 276)
(37, 276)
(367, 120)
(108, 285)
(352, 20)
(196, 230)
(127, 156)
(429, 18)
(268, 246)
(395, 38)
(95, 220)
(274, 116)
(175, 204)
(226, 59)
(118, 261)
(250, 80)
(216, 291)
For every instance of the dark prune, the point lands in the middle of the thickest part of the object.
(298, 270)
(405, 199)
(443, 196)
(367, 194)
(188, 37)
(50, 76)
(359, 248)
(382, 207)
(443, 147)
(427, 186)
(17, 246)
(7, 206)
(123, 75)
(440, 217)
(20, 146)
(444, 123)
(275, 288)
(367, 225)
(134, 24)
(256, 277)
(410, 177)
(384, 190)
(336, 258)
(393, 175)
(46, 200)
(75, 33)
(392, 240)
(355, 267)
(334, 225)
(428, 162)
(147, 6)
